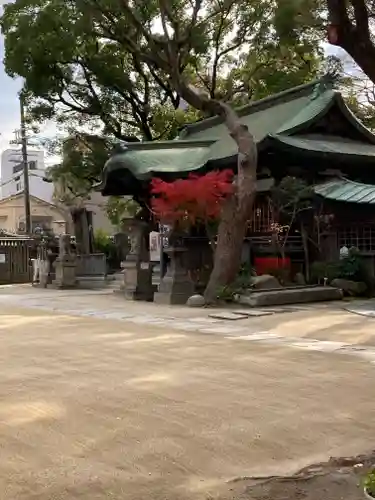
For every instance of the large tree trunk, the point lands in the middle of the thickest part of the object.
(227, 257)
(238, 209)
(82, 232)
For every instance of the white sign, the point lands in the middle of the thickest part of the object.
(2, 258)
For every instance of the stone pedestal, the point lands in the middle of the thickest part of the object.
(44, 276)
(156, 275)
(65, 267)
(137, 284)
(122, 245)
(117, 283)
(176, 286)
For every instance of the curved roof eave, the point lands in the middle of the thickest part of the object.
(353, 119)
(299, 122)
(345, 190)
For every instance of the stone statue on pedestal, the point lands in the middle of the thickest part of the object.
(65, 264)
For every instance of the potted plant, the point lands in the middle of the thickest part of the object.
(369, 485)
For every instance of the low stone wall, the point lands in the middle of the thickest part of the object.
(91, 271)
(94, 264)
(285, 296)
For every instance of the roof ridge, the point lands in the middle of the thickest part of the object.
(349, 181)
(21, 193)
(254, 106)
(318, 105)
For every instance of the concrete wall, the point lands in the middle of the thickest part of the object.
(96, 205)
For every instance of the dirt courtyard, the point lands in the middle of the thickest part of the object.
(102, 409)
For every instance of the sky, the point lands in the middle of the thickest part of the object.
(9, 104)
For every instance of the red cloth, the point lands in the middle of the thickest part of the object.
(265, 264)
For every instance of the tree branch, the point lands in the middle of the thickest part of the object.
(361, 16)
(355, 39)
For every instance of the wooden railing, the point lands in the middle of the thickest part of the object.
(264, 243)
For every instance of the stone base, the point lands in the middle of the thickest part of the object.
(285, 296)
(58, 286)
(116, 282)
(175, 291)
(137, 281)
(164, 298)
(65, 268)
(145, 295)
(92, 282)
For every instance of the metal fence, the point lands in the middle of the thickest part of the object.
(15, 263)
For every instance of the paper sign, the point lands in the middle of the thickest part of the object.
(2, 258)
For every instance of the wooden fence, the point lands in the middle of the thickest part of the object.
(15, 262)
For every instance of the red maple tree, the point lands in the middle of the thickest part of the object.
(186, 202)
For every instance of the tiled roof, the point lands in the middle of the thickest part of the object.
(347, 191)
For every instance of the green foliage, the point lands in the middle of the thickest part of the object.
(240, 284)
(101, 62)
(83, 158)
(290, 198)
(291, 201)
(369, 483)
(119, 207)
(103, 243)
(292, 16)
(321, 269)
(350, 268)
(363, 108)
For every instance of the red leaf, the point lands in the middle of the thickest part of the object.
(191, 200)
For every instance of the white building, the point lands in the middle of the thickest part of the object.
(12, 181)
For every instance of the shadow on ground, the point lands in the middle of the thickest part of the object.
(337, 479)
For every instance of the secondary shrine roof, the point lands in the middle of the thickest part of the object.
(348, 191)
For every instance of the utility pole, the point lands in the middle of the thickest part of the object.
(26, 188)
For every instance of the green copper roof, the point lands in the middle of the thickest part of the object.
(348, 191)
(326, 144)
(262, 117)
(287, 113)
(317, 107)
(274, 120)
(314, 108)
(143, 160)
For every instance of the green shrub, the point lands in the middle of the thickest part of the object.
(103, 243)
(369, 483)
(350, 268)
(240, 284)
(321, 270)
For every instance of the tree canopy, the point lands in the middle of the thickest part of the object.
(79, 66)
(348, 24)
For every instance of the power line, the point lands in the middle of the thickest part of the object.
(31, 174)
